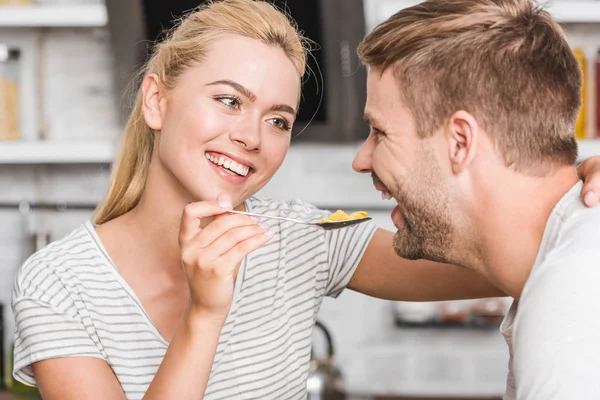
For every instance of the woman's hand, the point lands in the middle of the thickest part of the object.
(212, 255)
(589, 171)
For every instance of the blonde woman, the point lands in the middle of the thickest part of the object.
(165, 295)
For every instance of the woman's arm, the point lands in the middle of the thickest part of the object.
(381, 273)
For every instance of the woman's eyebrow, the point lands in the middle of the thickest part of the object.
(241, 89)
(285, 108)
(251, 96)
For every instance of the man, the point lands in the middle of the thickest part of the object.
(472, 106)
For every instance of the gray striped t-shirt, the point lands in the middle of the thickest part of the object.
(70, 300)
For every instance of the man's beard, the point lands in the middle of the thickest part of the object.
(427, 232)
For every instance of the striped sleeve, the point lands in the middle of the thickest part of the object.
(345, 248)
(42, 331)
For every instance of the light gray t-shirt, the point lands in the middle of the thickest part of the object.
(553, 333)
(70, 300)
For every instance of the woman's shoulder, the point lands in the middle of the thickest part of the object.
(53, 262)
(292, 207)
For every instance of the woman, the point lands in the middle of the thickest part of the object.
(109, 313)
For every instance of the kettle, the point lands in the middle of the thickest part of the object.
(325, 380)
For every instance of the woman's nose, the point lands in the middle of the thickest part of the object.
(247, 136)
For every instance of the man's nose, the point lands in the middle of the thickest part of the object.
(362, 160)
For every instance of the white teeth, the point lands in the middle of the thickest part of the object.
(229, 164)
(386, 196)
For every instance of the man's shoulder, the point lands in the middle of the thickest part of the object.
(562, 290)
(572, 233)
(564, 279)
(575, 217)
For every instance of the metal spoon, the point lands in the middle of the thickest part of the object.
(324, 225)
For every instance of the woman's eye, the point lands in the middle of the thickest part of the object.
(280, 123)
(232, 102)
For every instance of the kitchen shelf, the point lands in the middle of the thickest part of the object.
(63, 15)
(57, 152)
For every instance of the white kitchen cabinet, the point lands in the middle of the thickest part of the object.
(57, 152)
(53, 15)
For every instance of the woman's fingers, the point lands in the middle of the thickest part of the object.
(589, 172)
(193, 214)
(228, 241)
(237, 253)
(221, 225)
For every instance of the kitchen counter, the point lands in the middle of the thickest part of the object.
(434, 398)
(427, 364)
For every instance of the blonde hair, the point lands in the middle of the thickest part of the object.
(504, 61)
(185, 46)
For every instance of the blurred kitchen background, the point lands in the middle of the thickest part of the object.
(64, 69)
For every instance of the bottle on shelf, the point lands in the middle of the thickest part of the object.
(597, 67)
(580, 126)
(15, 2)
(9, 93)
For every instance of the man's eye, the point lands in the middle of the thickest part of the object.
(377, 132)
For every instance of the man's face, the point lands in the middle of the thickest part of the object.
(406, 167)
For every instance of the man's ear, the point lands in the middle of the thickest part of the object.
(151, 102)
(463, 133)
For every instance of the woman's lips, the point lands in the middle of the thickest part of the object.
(227, 175)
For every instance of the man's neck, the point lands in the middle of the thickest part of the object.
(510, 224)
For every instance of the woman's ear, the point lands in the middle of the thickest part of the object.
(151, 102)
(463, 133)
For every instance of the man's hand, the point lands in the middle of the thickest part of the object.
(589, 172)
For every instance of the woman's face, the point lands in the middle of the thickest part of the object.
(226, 126)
